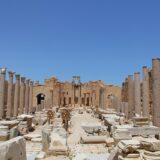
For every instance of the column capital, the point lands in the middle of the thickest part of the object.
(31, 82)
(17, 76)
(155, 59)
(137, 73)
(3, 70)
(27, 81)
(11, 73)
(130, 75)
(23, 79)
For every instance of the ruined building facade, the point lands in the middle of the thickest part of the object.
(75, 93)
(19, 95)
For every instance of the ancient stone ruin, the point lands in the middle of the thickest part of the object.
(80, 121)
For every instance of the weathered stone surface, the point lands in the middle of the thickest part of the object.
(150, 144)
(93, 139)
(4, 135)
(13, 149)
(14, 132)
(45, 139)
(40, 156)
(10, 124)
(140, 121)
(140, 131)
(113, 155)
(24, 117)
(110, 142)
(36, 140)
(57, 150)
(31, 136)
(121, 134)
(151, 155)
(91, 156)
(91, 127)
(57, 139)
(128, 146)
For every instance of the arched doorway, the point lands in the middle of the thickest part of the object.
(40, 98)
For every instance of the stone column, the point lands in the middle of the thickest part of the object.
(90, 98)
(62, 99)
(22, 95)
(126, 109)
(31, 96)
(79, 96)
(130, 97)
(16, 96)
(156, 91)
(73, 95)
(9, 98)
(2, 92)
(27, 97)
(85, 99)
(137, 93)
(145, 92)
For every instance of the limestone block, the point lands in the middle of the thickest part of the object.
(24, 117)
(113, 155)
(57, 140)
(140, 121)
(4, 133)
(146, 155)
(91, 127)
(109, 142)
(40, 156)
(31, 136)
(45, 139)
(121, 134)
(150, 144)
(10, 124)
(57, 150)
(128, 146)
(14, 132)
(13, 149)
(36, 140)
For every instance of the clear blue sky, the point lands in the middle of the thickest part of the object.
(96, 39)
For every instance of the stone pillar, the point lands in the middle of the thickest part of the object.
(27, 96)
(130, 97)
(126, 109)
(90, 98)
(145, 92)
(16, 96)
(85, 99)
(156, 91)
(79, 96)
(73, 95)
(22, 95)
(137, 93)
(2, 92)
(31, 96)
(10, 95)
(62, 99)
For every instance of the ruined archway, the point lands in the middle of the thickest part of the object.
(40, 98)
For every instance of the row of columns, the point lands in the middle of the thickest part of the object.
(143, 97)
(87, 96)
(19, 95)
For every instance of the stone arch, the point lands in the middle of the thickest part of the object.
(40, 98)
(41, 90)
